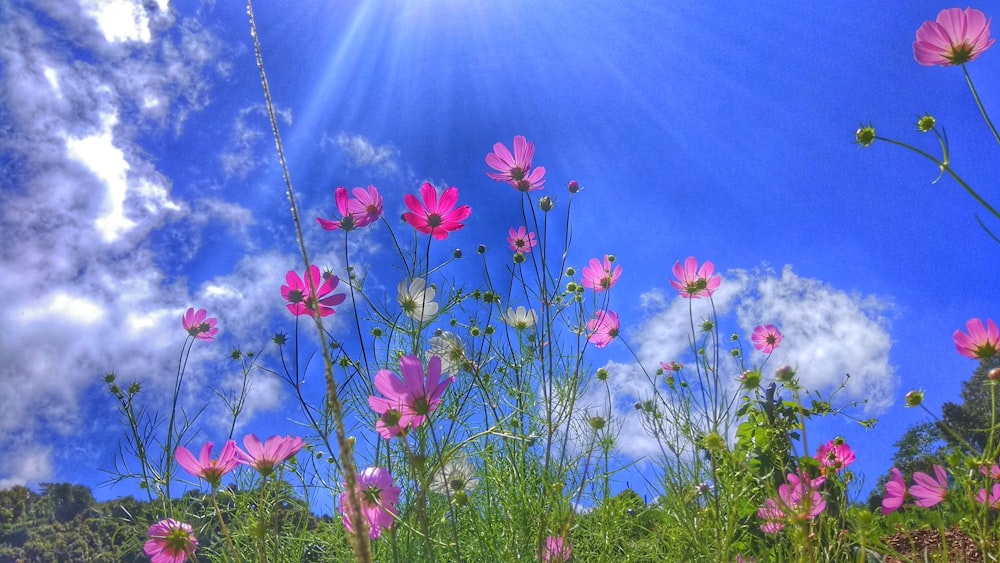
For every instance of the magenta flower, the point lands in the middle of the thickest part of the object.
(411, 398)
(956, 37)
(520, 240)
(766, 338)
(895, 492)
(170, 541)
(197, 325)
(347, 220)
(982, 342)
(994, 496)
(603, 328)
(798, 500)
(834, 456)
(378, 501)
(773, 517)
(993, 471)
(600, 276)
(297, 293)
(366, 205)
(693, 282)
(204, 467)
(435, 217)
(515, 169)
(265, 457)
(930, 491)
(555, 550)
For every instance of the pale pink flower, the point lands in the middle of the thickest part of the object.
(895, 492)
(693, 282)
(296, 292)
(520, 240)
(406, 402)
(204, 467)
(366, 205)
(378, 501)
(603, 328)
(766, 338)
(515, 169)
(197, 325)
(170, 541)
(993, 471)
(930, 491)
(265, 457)
(834, 456)
(798, 500)
(956, 37)
(773, 517)
(994, 496)
(981, 343)
(556, 550)
(600, 276)
(434, 216)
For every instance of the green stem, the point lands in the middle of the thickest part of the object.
(979, 103)
(225, 529)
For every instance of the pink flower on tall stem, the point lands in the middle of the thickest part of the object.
(520, 240)
(515, 169)
(556, 550)
(956, 37)
(834, 456)
(798, 500)
(347, 220)
(930, 491)
(895, 492)
(406, 402)
(434, 216)
(204, 467)
(366, 205)
(378, 501)
(300, 302)
(766, 338)
(170, 541)
(981, 343)
(693, 282)
(265, 457)
(603, 328)
(198, 325)
(600, 276)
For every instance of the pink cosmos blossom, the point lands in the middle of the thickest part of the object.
(603, 328)
(434, 216)
(798, 499)
(197, 325)
(556, 550)
(378, 501)
(834, 456)
(981, 343)
(895, 492)
(693, 282)
(766, 338)
(600, 276)
(930, 491)
(265, 457)
(956, 37)
(993, 472)
(515, 169)
(296, 292)
(672, 366)
(347, 220)
(773, 517)
(170, 541)
(408, 401)
(994, 496)
(520, 240)
(204, 467)
(360, 211)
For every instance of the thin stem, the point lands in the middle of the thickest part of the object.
(979, 103)
(225, 529)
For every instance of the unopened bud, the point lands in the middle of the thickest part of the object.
(914, 398)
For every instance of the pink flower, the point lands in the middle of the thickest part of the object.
(929, 491)
(520, 240)
(603, 328)
(197, 325)
(957, 37)
(296, 292)
(408, 401)
(798, 499)
(994, 496)
(366, 205)
(993, 471)
(982, 342)
(347, 220)
(516, 169)
(766, 338)
(435, 217)
(834, 456)
(378, 501)
(895, 492)
(773, 517)
(170, 541)
(556, 550)
(264, 457)
(206, 468)
(600, 276)
(695, 283)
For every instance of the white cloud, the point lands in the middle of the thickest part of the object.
(249, 139)
(363, 154)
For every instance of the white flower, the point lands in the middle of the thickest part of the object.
(520, 319)
(451, 350)
(417, 302)
(456, 475)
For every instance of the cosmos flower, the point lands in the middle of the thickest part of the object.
(520, 240)
(834, 456)
(413, 397)
(930, 491)
(197, 325)
(994, 496)
(378, 501)
(603, 328)
(798, 499)
(693, 282)
(766, 338)
(773, 517)
(417, 300)
(895, 492)
(556, 550)
(956, 37)
(456, 475)
(434, 216)
(204, 467)
(450, 349)
(600, 276)
(515, 169)
(265, 457)
(296, 292)
(520, 318)
(981, 343)
(366, 205)
(170, 541)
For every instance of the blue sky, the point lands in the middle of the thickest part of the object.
(139, 178)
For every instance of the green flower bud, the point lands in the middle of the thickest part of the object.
(865, 136)
(545, 204)
(914, 398)
(925, 123)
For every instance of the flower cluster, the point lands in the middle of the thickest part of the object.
(199, 325)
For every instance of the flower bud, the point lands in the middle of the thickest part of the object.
(865, 136)
(925, 123)
(573, 187)
(481, 249)
(602, 374)
(994, 375)
(784, 374)
(546, 204)
(914, 398)
(457, 253)
(518, 258)
(750, 379)
(596, 422)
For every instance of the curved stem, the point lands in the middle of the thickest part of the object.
(979, 103)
